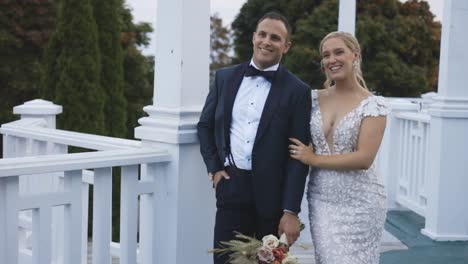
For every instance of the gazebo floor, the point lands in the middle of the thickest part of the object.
(402, 243)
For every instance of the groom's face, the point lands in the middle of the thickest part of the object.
(270, 41)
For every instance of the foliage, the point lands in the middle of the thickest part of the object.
(220, 44)
(107, 16)
(25, 27)
(246, 21)
(138, 69)
(72, 69)
(400, 41)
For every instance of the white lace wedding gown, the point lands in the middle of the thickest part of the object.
(347, 209)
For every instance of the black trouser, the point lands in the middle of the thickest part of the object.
(236, 211)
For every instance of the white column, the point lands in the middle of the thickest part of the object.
(347, 16)
(447, 212)
(185, 201)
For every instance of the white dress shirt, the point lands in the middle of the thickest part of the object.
(246, 114)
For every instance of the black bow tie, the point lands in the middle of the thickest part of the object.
(252, 71)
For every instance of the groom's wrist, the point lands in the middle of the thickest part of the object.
(289, 212)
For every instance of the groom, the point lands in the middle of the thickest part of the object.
(249, 114)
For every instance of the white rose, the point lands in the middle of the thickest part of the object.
(289, 260)
(270, 241)
(283, 239)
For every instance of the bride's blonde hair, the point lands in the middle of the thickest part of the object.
(352, 43)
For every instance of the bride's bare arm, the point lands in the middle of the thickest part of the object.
(370, 136)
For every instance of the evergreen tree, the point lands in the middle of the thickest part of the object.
(25, 27)
(72, 73)
(107, 16)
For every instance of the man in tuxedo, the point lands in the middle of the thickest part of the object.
(249, 114)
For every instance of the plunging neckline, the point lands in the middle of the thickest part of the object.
(339, 122)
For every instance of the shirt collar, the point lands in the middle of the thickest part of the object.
(271, 68)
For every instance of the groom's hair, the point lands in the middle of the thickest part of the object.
(276, 16)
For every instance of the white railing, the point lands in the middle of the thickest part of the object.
(44, 192)
(403, 155)
(413, 144)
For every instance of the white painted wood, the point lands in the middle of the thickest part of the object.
(128, 215)
(3, 215)
(73, 219)
(102, 215)
(45, 199)
(42, 232)
(9, 219)
(79, 161)
(39, 108)
(413, 140)
(347, 16)
(9, 144)
(84, 220)
(184, 192)
(447, 213)
(389, 155)
(182, 74)
(149, 237)
(68, 137)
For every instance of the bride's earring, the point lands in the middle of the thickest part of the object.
(355, 64)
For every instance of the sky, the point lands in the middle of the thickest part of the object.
(145, 11)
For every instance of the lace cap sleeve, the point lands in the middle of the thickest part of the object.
(314, 97)
(375, 106)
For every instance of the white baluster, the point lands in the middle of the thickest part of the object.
(9, 219)
(128, 215)
(84, 222)
(9, 146)
(41, 227)
(102, 215)
(148, 234)
(73, 218)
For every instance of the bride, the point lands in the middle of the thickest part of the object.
(347, 201)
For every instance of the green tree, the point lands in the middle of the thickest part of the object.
(138, 69)
(107, 16)
(72, 72)
(399, 41)
(25, 27)
(220, 45)
(246, 21)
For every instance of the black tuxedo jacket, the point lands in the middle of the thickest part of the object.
(278, 181)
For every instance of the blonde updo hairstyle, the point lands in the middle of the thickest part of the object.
(352, 43)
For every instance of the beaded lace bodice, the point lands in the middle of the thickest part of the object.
(346, 133)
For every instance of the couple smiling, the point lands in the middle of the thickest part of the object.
(262, 131)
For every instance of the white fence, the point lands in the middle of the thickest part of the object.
(413, 131)
(44, 192)
(403, 156)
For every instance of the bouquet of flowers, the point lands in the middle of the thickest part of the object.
(248, 250)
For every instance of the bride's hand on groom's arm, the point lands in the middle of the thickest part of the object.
(301, 152)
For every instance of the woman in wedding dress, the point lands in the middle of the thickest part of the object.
(347, 201)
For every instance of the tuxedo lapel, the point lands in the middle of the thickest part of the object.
(271, 103)
(232, 88)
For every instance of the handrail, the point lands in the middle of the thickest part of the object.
(30, 129)
(80, 161)
(420, 117)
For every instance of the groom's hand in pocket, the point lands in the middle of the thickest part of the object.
(217, 177)
(290, 225)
